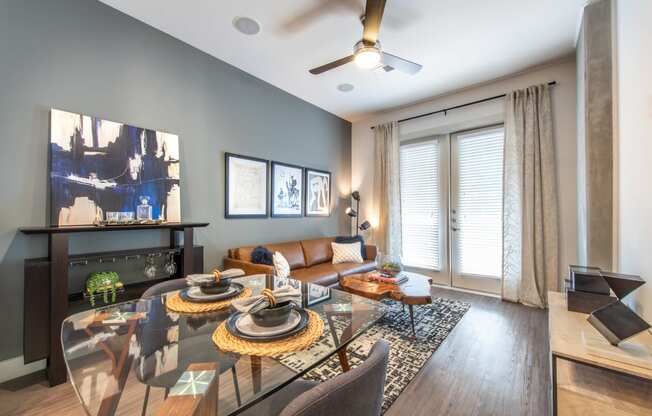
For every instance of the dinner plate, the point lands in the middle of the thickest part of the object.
(194, 294)
(288, 330)
(247, 326)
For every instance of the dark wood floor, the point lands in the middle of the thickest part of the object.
(493, 363)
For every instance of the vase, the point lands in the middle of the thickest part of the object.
(389, 265)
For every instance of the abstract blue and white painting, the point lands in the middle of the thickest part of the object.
(287, 190)
(99, 166)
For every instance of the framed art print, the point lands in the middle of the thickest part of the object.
(287, 190)
(246, 187)
(101, 170)
(318, 193)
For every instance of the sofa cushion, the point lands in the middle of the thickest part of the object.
(317, 251)
(292, 252)
(345, 269)
(281, 266)
(261, 255)
(321, 274)
(347, 253)
(353, 239)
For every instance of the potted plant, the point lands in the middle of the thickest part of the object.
(103, 282)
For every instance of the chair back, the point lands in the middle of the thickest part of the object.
(164, 287)
(358, 392)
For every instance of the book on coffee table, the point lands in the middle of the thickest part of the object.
(377, 277)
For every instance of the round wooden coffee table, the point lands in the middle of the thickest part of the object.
(416, 291)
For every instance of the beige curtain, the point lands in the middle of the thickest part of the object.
(387, 193)
(530, 227)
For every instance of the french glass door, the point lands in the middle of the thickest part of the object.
(451, 208)
(476, 209)
(424, 198)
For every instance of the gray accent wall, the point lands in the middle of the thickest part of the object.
(595, 135)
(83, 56)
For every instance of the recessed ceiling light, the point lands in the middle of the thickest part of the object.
(246, 25)
(345, 87)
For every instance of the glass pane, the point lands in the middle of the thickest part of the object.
(479, 211)
(118, 355)
(419, 173)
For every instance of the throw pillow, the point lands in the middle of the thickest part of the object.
(346, 253)
(353, 239)
(261, 255)
(281, 265)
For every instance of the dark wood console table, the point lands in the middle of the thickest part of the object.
(47, 301)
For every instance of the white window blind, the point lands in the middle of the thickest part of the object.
(420, 204)
(479, 210)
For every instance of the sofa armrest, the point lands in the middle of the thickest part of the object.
(370, 252)
(247, 266)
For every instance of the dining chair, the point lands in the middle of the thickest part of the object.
(358, 392)
(191, 345)
(164, 287)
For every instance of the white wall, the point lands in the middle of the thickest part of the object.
(564, 119)
(634, 147)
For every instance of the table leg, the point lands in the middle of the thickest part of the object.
(185, 401)
(119, 376)
(188, 245)
(344, 360)
(553, 373)
(103, 347)
(256, 373)
(58, 249)
(414, 332)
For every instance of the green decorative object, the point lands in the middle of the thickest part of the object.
(103, 282)
(391, 268)
(389, 265)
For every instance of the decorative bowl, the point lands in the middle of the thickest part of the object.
(211, 287)
(275, 316)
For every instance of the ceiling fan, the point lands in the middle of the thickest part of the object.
(367, 53)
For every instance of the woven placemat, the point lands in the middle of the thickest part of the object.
(227, 342)
(176, 304)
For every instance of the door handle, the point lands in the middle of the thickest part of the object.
(454, 228)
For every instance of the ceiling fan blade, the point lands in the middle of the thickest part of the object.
(401, 64)
(373, 15)
(332, 65)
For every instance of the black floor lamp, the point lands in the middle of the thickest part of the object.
(353, 213)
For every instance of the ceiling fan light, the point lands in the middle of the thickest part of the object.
(367, 57)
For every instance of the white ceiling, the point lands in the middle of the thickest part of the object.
(459, 43)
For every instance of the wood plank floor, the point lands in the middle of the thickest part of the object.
(495, 362)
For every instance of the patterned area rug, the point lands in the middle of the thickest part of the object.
(433, 323)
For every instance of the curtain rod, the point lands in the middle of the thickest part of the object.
(445, 110)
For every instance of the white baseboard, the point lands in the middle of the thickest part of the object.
(15, 367)
(474, 292)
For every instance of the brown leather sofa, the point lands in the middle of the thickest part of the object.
(310, 261)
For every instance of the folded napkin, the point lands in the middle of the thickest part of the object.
(196, 279)
(268, 297)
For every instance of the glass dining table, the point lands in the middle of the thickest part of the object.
(137, 357)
